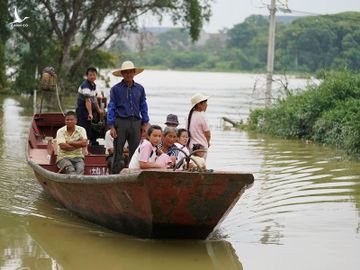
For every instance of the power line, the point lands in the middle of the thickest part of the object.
(305, 12)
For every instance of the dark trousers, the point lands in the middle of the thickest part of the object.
(109, 161)
(82, 121)
(89, 132)
(127, 129)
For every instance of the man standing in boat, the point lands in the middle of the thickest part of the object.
(87, 109)
(127, 113)
(70, 140)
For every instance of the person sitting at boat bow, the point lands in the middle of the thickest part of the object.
(70, 140)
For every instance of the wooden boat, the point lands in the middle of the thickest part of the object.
(142, 203)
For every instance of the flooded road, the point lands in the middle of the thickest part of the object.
(303, 211)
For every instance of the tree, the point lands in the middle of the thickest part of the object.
(242, 34)
(4, 35)
(90, 24)
(251, 38)
(320, 42)
(351, 53)
(175, 39)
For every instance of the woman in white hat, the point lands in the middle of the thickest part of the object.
(127, 112)
(197, 123)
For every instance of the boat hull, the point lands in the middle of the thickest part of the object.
(149, 204)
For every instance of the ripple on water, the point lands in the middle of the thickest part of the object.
(289, 184)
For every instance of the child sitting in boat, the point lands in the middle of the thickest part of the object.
(181, 142)
(199, 156)
(145, 156)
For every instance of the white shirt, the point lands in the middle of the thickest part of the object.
(109, 141)
(181, 154)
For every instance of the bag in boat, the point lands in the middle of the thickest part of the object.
(48, 79)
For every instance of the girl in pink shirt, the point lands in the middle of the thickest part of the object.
(145, 156)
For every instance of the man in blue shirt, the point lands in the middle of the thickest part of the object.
(127, 112)
(87, 107)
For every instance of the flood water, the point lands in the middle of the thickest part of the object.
(303, 211)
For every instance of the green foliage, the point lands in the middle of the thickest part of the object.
(3, 82)
(340, 126)
(307, 44)
(242, 35)
(175, 39)
(99, 58)
(68, 35)
(4, 35)
(193, 17)
(328, 114)
(256, 119)
(320, 42)
(249, 37)
(187, 60)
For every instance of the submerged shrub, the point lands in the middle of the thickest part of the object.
(340, 126)
(328, 113)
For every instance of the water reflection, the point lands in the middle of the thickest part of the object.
(50, 238)
(15, 189)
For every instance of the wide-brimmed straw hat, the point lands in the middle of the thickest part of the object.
(197, 98)
(127, 65)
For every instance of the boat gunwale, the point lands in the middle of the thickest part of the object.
(130, 176)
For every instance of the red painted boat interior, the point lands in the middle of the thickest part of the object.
(42, 146)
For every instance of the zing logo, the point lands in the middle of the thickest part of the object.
(18, 22)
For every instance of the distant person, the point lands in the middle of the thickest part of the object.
(87, 108)
(197, 123)
(199, 156)
(127, 112)
(146, 155)
(172, 120)
(70, 140)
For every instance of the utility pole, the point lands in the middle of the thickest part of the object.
(271, 52)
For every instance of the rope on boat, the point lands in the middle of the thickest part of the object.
(58, 99)
(187, 158)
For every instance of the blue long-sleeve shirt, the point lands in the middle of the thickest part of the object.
(127, 102)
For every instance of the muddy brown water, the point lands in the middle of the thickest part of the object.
(301, 213)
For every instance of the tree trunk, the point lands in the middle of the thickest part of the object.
(4, 35)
